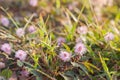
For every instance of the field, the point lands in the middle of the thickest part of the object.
(59, 39)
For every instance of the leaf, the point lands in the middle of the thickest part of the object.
(90, 51)
(34, 72)
(113, 46)
(28, 21)
(7, 73)
(58, 3)
(28, 65)
(89, 68)
(91, 65)
(66, 47)
(39, 78)
(19, 63)
(73, 16)
(65, 77)
(82, 67)
(104, 65)
(38, 72)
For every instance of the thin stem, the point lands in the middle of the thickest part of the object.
(46, 75)
(28, 21)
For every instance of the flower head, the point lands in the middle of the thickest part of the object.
(24, 73)
(4, 21)
(82, 30)
(72, 5)
(6, 48)
(2, 65)
(99, 3)
(20, 54)
(65, 56)
(78, 40)
(13, 76)
(109, 36)
(20, 32)
(60, 40)
(31, 29)
(33, 2)
(80, 48)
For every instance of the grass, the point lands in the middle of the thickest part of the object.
(61, 18)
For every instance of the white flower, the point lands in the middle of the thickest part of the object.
(20, 32)
(20, 54)
(4, 21)
(2, 78)
(82, 30)
(6, 48)
(65, 56)
(109, 36)
(33, 2)
(60, 40)
(31, 29)
(2, 65)
(80, 48)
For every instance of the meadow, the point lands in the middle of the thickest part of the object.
(59, 39)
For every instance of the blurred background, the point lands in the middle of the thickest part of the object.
(55, 9)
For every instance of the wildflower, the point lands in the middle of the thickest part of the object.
(33, 2)
(2, 65)
(80, 48)
(20, 32)
(20, 54)
(60, 40)
(110, 2)
(82, 30)
(65, 56)
(13, 76)
(72, 5)
(99, 3)
(31, 29)
(78, 40)
(102, 3)
(98, 13)
(24, 73)
(4, 21)
(109, 37)
(6, 48)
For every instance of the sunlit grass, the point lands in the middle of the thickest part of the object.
(100, 61)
